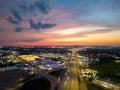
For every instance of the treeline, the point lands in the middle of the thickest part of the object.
(103, 55)
(97, 52)
(32, 50)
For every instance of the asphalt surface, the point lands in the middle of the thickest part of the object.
(72, 79)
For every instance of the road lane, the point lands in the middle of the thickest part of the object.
(70, 79)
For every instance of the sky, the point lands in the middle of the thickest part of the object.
(60, 22)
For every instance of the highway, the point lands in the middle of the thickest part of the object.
(72, 79)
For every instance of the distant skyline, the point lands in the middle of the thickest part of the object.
(60, 22)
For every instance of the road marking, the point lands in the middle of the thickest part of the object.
(67, 77)
(65, 83)
(68, 70)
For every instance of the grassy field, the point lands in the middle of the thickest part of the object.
(92, 86)
(107, 71)
(107, 67)
(37, 84)
(25, 78)
(56, 73)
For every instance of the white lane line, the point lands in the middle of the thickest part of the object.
(67, 77)
(65, 83)
(68, 70)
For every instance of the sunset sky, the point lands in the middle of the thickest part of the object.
(60, 22)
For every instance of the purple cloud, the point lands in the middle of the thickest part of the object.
(39, 25)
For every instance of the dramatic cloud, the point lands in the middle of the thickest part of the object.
(23, 6)
(12, 20)
(16, 15)
(15, 19)
(19, 29)
(41, 5)
(79, 30)
(39, 25)
(30, 40)
(43, 21)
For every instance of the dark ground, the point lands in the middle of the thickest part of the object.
(9, 78)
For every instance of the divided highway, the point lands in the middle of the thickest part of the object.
(72, 79)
